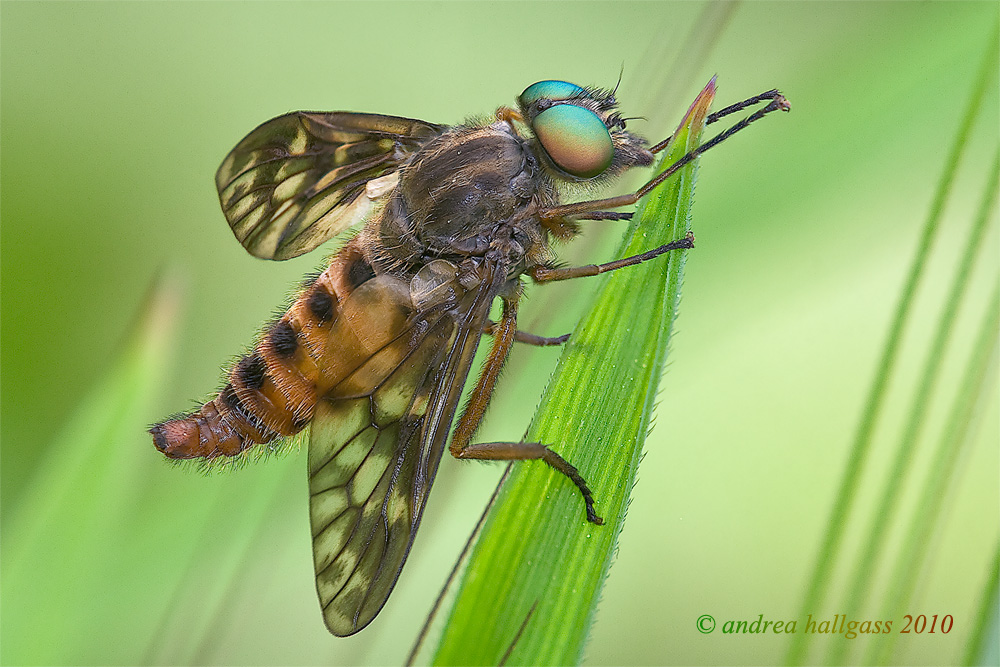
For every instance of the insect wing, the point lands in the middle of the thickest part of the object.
(288, 185)
(375, 444)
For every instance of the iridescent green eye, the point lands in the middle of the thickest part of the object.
(575, 138)
(553, 90)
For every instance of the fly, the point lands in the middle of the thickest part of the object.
(374, 353)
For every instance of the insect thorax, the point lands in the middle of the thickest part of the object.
(468, 191)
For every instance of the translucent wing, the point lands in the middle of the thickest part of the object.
(374, 449)
(289, 185)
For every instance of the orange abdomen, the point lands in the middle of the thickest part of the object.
(272, 391)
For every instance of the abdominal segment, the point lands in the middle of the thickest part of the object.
(341, 320)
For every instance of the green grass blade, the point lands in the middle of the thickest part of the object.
(976, 386)
(977, 383)
(847, 492)
(983, 642)
(78, 496)
(536, 551)
(884, 516)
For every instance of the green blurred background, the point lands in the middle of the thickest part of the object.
(114, 119)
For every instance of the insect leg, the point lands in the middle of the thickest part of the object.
(461, 448)
(543, 274)
(531, 451)
(503, 333)
(769, 96)
(777, 103)
(604, 215)
(540, 341)
(528, 338)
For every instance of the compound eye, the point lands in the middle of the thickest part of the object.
(575, 138)
(553, 90)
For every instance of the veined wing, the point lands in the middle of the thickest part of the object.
(288, 186)
(374, 449)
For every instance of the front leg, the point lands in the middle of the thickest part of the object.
(577, 210)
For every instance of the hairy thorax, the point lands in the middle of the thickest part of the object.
(471, 191)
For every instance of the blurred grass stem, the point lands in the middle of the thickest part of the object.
(860, 449)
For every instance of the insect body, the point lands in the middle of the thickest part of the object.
(374, 353)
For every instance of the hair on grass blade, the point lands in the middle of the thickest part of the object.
(517, 637)
(462, 556)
